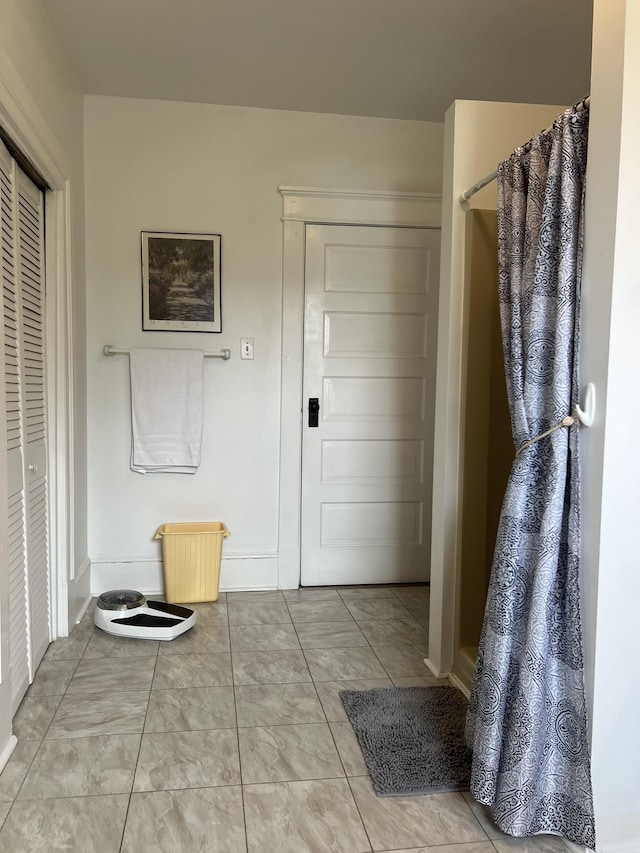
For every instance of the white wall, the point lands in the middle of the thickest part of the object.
(153, 165)
(42, 108)
(34, 67)
(478, 136)
(611, 462)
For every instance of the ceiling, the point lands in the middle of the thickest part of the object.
(404, 59)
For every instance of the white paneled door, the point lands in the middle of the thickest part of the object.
(23, 298)
(370, 331)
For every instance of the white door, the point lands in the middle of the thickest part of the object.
(22, 266)
(369, 360)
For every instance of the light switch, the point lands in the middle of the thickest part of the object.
(246, 348)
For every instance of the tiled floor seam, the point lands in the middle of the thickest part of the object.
(70, 797)
(477, 820)
(364, 825)
(345, 602)
(244, 811)
(302, 650)
(330, 732)
(377, 658)
(44, 736)
(295, 781)
(17, 794)
(235, 707)
(346, 776)
(135, 767)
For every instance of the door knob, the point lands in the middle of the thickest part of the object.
(33, 466)
(314, 408)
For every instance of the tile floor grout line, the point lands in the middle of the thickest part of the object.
(389, 676)
(293, 781)
(71, 797)
(46, 732)
(355, 802)
(235, 708)
(145, 720)
(477, 819)
(379, 661)
(335, 743)
(24, 778)
(344, 778)
(244, 813)
(135, 766)
(324, 713)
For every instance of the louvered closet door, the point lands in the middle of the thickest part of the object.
(17, 562)
(23, 306)
(30, 213)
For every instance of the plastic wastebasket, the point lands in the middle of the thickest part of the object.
(191, 554)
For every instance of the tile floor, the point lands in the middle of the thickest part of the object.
(230, 738)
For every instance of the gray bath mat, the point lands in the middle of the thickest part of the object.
(412, 738)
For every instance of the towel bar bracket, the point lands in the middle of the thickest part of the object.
(110, 349)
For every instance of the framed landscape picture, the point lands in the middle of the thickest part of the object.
(180, 282)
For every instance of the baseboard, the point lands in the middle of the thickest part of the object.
(5, 755)
(82, 609)
(79, 593)
(433, 669)
(237, 573)
(462, 687)
(85, 565)
(464, 667)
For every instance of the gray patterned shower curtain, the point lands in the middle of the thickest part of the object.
(527, 713)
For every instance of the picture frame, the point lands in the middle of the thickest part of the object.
(181, 288)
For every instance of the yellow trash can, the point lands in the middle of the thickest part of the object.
(191, 553)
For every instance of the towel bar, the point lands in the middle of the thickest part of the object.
(109, 349)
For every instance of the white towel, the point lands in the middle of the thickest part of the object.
(166, 410)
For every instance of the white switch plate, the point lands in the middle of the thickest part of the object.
(246, 348)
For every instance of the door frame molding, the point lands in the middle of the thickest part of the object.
(22, 119)
(311, 205)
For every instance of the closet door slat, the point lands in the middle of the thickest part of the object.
(30, 261)
(19, 644)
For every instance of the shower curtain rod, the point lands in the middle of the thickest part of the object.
(466, 195)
